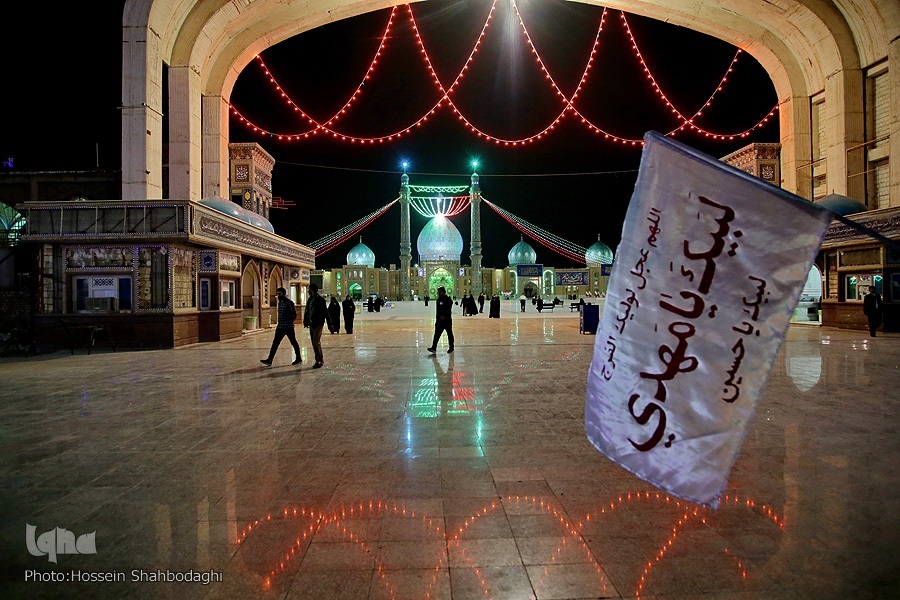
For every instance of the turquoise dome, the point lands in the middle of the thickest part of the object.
(598, 254)
(361, 255)
(237, 211)
(522, 254)
(842, 205)
(439, 240)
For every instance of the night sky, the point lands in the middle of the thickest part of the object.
(571, 183)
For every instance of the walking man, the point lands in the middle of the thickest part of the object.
(872, 309)
(443, 320)
(287, 312)
(314, 318)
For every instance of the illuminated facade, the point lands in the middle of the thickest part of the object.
(440, 245)
(161, 273)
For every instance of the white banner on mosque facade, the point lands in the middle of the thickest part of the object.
(704, 284)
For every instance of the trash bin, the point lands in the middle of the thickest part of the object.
(589, 318)
(249, 323)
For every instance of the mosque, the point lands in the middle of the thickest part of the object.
(441, 263)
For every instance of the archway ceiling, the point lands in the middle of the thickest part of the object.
(798, 42)
(218, 38)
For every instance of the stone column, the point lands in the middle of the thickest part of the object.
(405, 246)
(215, 146)
(475, 243)
(184, 133)
(141, 115)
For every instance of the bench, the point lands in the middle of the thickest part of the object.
(574, 306)
(548, 306)
(85, 335)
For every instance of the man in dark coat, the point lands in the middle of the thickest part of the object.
(314, 318)
(349, 314)
(287, 312)
(443, 319)
(872, 309)
(481, 302)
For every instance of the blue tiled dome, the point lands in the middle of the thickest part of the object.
(842, 205)
(522, 254)
(361, 255)
(238, 212)
(439, 240)
(598, 254)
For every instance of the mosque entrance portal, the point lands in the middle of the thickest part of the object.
(355, 291)
(440, 277)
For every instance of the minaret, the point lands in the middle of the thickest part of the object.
(405, 246)
(475, 244)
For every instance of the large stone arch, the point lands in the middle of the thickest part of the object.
(808, 47)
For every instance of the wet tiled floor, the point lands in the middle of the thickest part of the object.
(395, 474)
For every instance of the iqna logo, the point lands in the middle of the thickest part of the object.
(59, 541)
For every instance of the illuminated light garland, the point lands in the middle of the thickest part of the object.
(432, 206)
(448, 91)
(323, 245)
(563, 247)
(440, 189)
(316, 126)
(340, 524)
(687, 123)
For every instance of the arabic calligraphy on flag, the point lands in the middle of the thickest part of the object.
(705, 281)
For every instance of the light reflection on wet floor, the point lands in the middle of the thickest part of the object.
(392, 473)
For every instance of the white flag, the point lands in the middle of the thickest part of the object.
(705, 281)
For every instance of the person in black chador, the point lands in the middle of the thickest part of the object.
(426, 299)
(334, 316)
(481, 302)
(287, 312)
(495, 307)
(872, 307)
(443, 321)
(464, 305)
(349, 314)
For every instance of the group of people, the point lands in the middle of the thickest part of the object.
(348, 308)
(375, 304)
(469, 307)
(316, 315)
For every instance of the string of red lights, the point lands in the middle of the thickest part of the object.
(323, 245)
(327, 127)
(563, 247)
